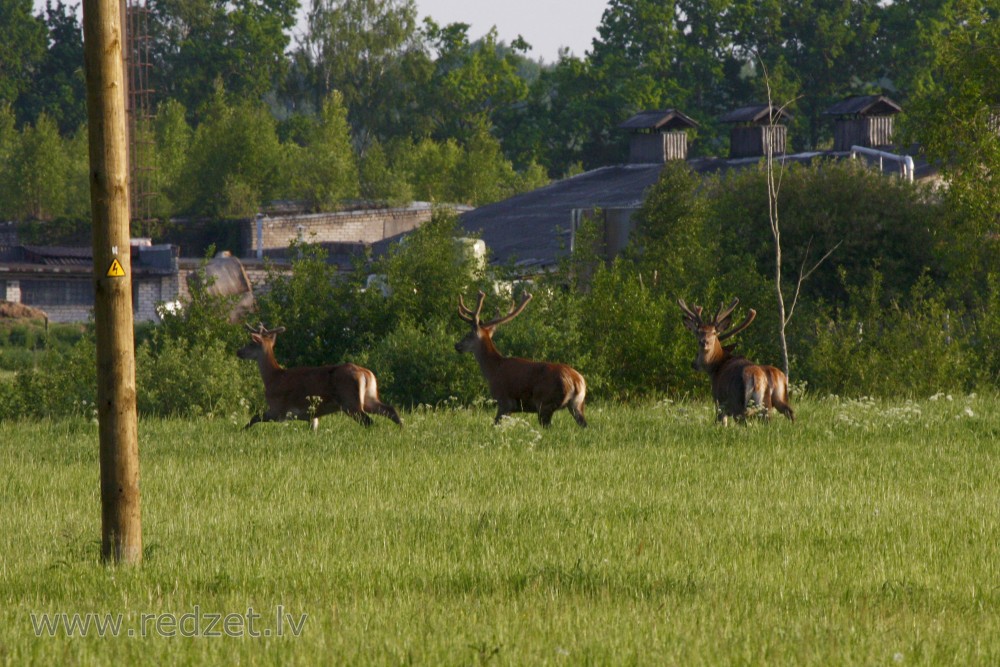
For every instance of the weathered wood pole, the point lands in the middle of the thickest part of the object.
(121, 526)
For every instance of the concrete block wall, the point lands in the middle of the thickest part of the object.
(362, 226)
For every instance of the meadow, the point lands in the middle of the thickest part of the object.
(865, 533)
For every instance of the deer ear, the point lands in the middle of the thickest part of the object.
(691, 325)
(256, 338)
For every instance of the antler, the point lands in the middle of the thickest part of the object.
(724, 312)
(261, 330)
(514, 312)
(741, 326)
(692, 315)
(469, 315)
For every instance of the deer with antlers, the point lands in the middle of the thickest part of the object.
(520, 385)
(310, 392)
(738, 384)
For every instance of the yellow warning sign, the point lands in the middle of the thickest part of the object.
(116, 270)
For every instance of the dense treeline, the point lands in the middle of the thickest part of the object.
(368, 102)
(889, 313)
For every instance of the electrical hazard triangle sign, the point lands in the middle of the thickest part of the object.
(116, 270)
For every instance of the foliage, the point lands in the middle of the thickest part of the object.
(199, 46)
(235, 161)
(58, 87)
(955, 118)
(326, 173)
(888, 222)
(39, 172)
(367, 50)
(22, 48)
(195, 378)
(909, 349)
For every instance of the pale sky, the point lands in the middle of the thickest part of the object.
(545, 24)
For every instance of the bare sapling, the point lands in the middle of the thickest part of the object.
(310, 392)
(520, 385)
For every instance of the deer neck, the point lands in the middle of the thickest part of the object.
(486, 353)
(268, 364)
(712, 361)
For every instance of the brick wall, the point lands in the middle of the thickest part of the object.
(364, 226)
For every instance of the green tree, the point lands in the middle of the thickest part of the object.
(22, 48)
(39, 173)
(955, 117)
(473, 83)
(235, 163)
(240, 44)
(58, 87)
(172, 138)
(327, 172)
(379, 180)
(370, 51)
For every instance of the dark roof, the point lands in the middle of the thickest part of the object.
(665, 119)
(533, 228)
(55, 255)
(864, 105)
(756, 113)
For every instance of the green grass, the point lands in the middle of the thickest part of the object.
(866, 533)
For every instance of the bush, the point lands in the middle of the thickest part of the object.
(196, 379)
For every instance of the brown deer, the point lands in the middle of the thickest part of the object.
(520, 385)
(310, 392)
(738, 384)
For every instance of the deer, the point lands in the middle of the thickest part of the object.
(738, 384)
(520, 385)
(310, 392)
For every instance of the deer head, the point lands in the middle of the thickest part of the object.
(262, 342)
(711, 333)
(482, 332)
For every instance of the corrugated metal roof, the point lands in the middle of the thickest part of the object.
(755, 113)
(533, 228)
(865, 105)
(665, 119)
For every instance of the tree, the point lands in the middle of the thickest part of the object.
(239, 44)
(235, 163)
(369, 51)
(327, 172)
(22, 47)
(39, 173)
(474, 83)
(172, 138)
(956, 119)
(57, 85)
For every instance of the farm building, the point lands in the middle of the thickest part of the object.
(534, 229)
(59, 280)
(863, 121)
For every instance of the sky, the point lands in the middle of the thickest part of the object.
(545, 24)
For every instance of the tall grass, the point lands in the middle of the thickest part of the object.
(865, 533)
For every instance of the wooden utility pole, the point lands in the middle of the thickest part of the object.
(121, 527)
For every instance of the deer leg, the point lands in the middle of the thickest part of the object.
(576, 409)
(545, 415)
(384, 409)
(784, 408)
(360, 417)
(503, 409)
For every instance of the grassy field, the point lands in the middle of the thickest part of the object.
(866, 533)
